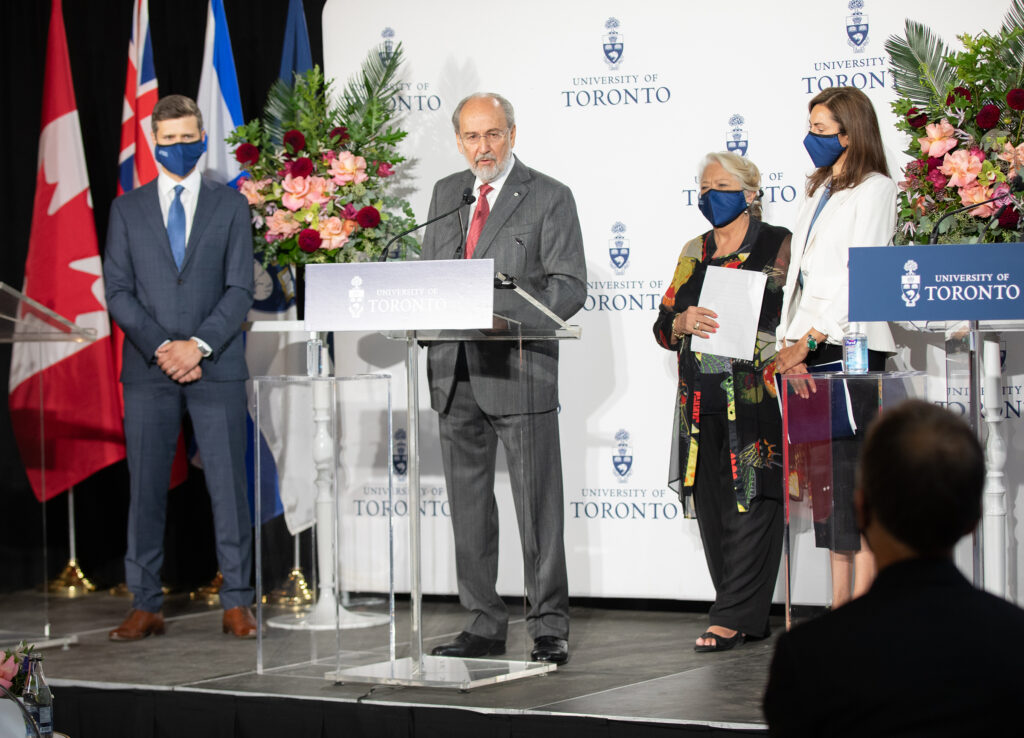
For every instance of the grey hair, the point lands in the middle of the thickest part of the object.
(743, 169)
(172, 107)
(510, 113)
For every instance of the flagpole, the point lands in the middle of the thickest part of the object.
(71, 582)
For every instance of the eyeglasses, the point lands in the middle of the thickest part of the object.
(494, 137)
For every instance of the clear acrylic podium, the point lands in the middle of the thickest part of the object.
(418, 668)
(822, 432)
(23, 320)
(328, 436)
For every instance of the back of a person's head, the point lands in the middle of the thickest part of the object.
(921, 474)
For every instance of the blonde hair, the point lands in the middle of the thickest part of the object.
(744, 170)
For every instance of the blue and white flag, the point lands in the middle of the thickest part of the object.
(218, 97)
(221, 106)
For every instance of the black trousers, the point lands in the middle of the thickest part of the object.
(743, 550)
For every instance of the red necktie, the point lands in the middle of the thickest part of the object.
(483, 209)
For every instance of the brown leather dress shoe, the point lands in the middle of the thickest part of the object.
(137, 626)
(239, 622)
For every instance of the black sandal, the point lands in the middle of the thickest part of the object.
(721, 642)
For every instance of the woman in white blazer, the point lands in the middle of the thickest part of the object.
(850, 201)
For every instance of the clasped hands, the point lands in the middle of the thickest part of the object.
(179, 360)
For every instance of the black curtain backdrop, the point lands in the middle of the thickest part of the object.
(97, 35)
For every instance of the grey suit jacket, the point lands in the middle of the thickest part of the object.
(152, 302)
(532, 233)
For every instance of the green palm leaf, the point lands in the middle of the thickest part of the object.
(280, 110)
(919, 66)
(366, 102)
(1015, 48)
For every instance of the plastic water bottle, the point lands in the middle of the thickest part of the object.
(37, 697)
(855, 350)
(314, 356)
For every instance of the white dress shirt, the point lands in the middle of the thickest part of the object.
(189, 196)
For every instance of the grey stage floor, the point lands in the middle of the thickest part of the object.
(625, 664)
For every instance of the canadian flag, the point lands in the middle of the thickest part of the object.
(63, 395)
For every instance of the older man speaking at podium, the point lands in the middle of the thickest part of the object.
(486, 391)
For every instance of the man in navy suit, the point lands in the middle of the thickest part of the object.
(923, 652)
(179, 279)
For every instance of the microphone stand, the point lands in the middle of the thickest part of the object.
(467, 199)
(974, 354)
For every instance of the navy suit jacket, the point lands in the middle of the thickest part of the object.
(923, 653)
(152, 302)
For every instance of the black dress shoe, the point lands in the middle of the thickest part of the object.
(550, 649)
(469, 646)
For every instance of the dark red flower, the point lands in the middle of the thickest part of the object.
(1015, 99)
(1009, 218)
(340, 133)
(384, 169)
(958, 91)
(987, 117)
(368, 217)
(309, 240)
(301, 167)
(246, 153)
(934, 162)
(916, 118)
(294, 141)
(938, 179)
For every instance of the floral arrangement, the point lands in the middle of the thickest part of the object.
(317, 174)
(964, 113)
(12, 677)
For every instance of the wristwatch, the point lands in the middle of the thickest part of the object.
(811, 343)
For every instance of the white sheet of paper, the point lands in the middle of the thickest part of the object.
(735, 294)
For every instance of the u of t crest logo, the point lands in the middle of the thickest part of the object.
(910, 283)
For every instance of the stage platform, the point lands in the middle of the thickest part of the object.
(631, 673)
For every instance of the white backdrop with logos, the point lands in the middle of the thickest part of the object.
(620, 101)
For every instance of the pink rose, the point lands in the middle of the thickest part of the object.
(939, 139)
(316, 193)
(296, 189)
(348, 168)
(349, 212)
(252, 190)
(976, 193)
(8, 670)
(282, 224)
(335, 232)
(1014, 156)
(385, 170)
(961, 168)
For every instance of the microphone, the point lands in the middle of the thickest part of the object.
(467, 199)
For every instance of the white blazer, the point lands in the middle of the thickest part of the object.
(864, 215)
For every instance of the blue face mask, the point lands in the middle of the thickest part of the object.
(824, 150)
(722, 207)
(180, 158)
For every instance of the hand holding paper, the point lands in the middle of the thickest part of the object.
(735, 295)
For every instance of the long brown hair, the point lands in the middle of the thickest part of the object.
(855, 114)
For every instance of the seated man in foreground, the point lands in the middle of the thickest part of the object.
(923, 652)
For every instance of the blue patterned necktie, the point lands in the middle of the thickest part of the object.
(176, 227)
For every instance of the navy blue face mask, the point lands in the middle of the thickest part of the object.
(824, 150)
(722, 207)
(180, 158)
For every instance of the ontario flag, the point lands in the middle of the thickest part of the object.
(136, 163)
(63, 395)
